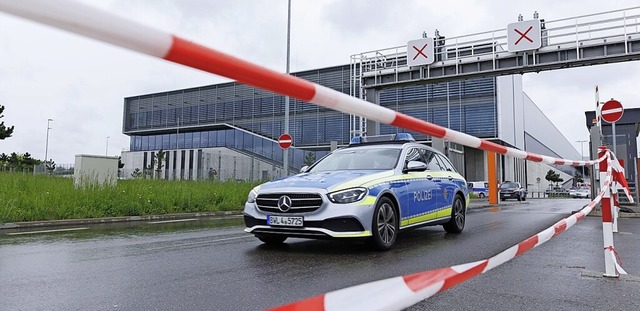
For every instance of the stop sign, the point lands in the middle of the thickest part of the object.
(285, 141)
(611, 111)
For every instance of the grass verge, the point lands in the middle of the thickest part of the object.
(41, 197)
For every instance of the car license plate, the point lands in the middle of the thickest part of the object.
(284, 221)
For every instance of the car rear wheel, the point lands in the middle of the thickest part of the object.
(481, 195)
(456, 224)
(271, 239)
(384, 225)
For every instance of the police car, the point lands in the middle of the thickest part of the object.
(372, 189)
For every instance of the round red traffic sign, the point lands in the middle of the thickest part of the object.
(285, 141)
(611, 111)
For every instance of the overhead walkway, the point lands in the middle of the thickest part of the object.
(601, 38)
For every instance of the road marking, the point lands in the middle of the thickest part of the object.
(46, 231)
(170, 221)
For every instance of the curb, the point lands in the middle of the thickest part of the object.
(105, 220)
(486, 204)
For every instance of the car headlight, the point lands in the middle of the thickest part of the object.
(252, 196)
(347, 196)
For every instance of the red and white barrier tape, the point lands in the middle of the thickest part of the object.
(394, 293)
(616, 259)
(402, 292)
(104, 26)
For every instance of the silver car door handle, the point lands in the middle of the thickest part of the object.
(429, 177)
(450, 177)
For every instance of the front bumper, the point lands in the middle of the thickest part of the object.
(330, 220)
(509, 195)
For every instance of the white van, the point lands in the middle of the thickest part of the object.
(479, 188)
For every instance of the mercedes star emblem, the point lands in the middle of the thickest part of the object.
(284, 203)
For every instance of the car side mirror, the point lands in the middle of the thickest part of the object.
(304, 169)
(415, 166)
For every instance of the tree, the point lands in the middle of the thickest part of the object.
(18, 162)
(13, 160)
(4, 161)
(50, 166)
(28, 162)
(137, 174)
(578, 178)
(309, 158)
(5, 132)
(120, 164)
(553, 177)
(156, 164)
(159, 156)
(148, 171)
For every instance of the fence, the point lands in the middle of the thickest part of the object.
(59, 169)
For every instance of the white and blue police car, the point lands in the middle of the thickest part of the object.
(372, 189)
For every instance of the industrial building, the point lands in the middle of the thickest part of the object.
(230, 130)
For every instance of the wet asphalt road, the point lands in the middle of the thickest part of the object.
(214, 265)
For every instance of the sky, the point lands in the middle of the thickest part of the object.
(80, 83)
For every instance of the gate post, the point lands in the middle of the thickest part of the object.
(607, 225)
(492, 173)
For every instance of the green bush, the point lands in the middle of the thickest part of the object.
(40, 197)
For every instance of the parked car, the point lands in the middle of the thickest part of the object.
(581, 193)
(370, 190)
(512, 190)
(479, 188)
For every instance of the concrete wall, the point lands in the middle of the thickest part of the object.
(552, 142)
(510, 110)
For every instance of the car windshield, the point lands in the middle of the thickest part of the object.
(509, 185)
(359, 159)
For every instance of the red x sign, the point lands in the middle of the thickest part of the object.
(523, 35)
(420, 52)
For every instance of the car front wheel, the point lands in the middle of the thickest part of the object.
(384, 225)
(456, 224)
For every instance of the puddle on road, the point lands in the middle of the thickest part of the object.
(114, 230)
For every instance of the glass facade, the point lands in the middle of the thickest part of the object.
(242, 106)
(235, 139)
(250, 120)
(467, 106)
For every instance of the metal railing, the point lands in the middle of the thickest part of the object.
(592, 29)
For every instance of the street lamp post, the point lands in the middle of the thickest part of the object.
(46, 146)
(286, 99)
(106, 150)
